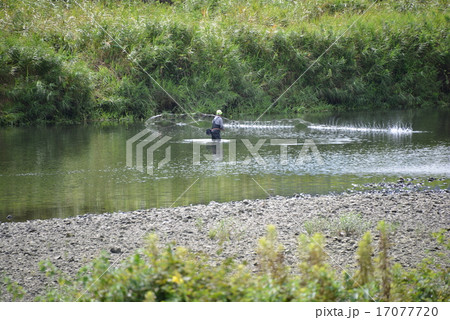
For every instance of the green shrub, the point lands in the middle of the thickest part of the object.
(41, 87)
(383, 260)
(345, 224)
(318, 280)
(364, 274)
(271, 256)
(16, 291)
(429, 281)
(222, 231)
(236, 55)
(176, 274)
(350, 223)
(316, 225)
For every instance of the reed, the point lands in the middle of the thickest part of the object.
(236, 55)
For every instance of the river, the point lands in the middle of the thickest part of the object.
(62, 171)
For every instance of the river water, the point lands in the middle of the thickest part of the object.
(66, 171)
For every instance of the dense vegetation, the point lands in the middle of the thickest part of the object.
(72, 61)
(175, 274)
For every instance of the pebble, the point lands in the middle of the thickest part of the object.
(115, 250)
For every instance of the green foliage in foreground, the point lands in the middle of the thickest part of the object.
(64, 62)
(176, 274)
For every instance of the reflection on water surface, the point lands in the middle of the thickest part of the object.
(65, 171)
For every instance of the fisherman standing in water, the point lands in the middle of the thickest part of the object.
(217, 126)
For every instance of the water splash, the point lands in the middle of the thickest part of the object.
(254, 125)
(398, 129)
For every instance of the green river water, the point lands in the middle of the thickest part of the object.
(65, 171)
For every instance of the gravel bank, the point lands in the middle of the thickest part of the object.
(71, 243)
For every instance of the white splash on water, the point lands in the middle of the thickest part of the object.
(267, 125)
(396, 130)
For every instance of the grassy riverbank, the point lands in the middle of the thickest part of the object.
(72, 61)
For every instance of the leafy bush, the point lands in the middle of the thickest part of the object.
(429, 281)
(42, 87)
(319, 281)
(364, 255)
(271, 256)
(57, 65)
(176, 274)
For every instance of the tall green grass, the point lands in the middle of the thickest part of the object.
(236, 55)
